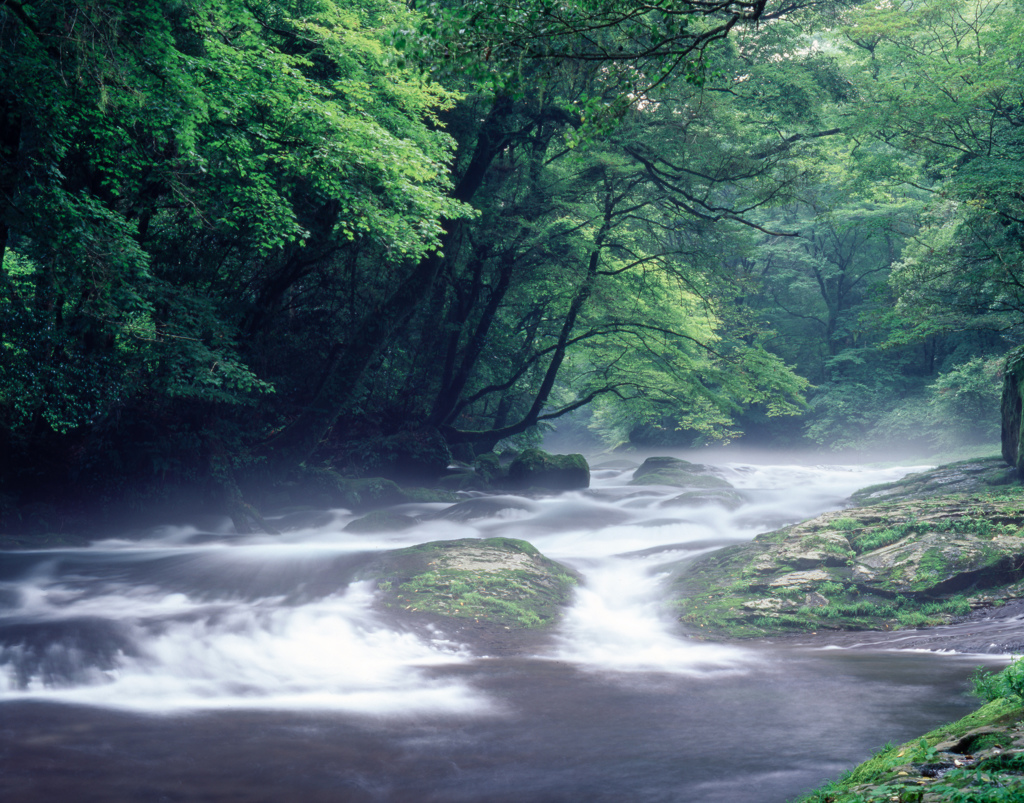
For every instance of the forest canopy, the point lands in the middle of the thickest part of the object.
(242, 240)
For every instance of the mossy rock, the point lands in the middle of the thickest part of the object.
(903, 564)
(658, 464)
(428, 495)
(679, 473)
(936, 563)
(534, 468)
(728, 499)
(500, 580)
(489, 468)
(967, 476)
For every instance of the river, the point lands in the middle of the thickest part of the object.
(193, 664)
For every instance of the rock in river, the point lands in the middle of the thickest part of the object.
(680, 473)
(555, 472)
(500, 580)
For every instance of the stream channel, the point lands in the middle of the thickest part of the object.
(193, 664)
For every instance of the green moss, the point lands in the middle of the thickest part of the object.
(887, 775)
(871, 539)
(483, 579)
(510, 596)
(932, 568)
(560, 472)
(730, 589)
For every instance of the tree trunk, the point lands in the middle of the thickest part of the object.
(300, 438)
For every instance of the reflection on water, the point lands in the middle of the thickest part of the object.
(283, 677)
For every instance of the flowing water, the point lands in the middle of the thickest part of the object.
(196, 664)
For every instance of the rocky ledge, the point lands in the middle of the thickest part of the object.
(923, 560)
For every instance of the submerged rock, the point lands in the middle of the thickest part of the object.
(729, 499)
(482, 507)
(324, 487)
(618, 464)
(463, 480)
(380, 521)
(502, 580)
(680, 473)
(890, 565)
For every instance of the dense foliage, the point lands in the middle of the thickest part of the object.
(239, 238)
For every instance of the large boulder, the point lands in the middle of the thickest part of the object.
(676, 472)
(500, 580)
(719, 497)
(535, 468)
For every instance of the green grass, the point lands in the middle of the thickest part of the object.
(980, 524)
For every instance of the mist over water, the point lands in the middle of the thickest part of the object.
(190, 620)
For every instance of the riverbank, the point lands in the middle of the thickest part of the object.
(968, 517)
(977, 759)
(933, 548)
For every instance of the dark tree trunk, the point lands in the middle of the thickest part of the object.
(300, 438)
(10, 144)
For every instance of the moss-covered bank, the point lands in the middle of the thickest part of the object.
(977, 759)
(923, 560)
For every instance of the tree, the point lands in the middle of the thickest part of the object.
(943, 79)
(168, 176)
(551, 72)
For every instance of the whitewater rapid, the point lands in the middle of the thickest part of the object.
(187, 618)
